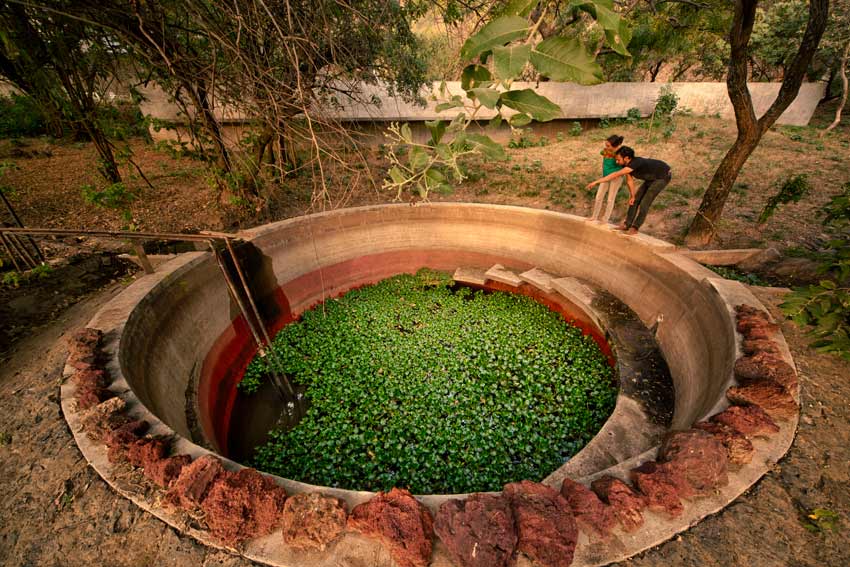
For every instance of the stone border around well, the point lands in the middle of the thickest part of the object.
(271, 550)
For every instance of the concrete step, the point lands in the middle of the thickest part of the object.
(500, 274)
(474, 276)
(573, 290)
(539, 279)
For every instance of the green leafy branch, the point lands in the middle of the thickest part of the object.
(497, 54)
(792, 190)
(825, 307)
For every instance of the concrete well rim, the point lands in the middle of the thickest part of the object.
(109, 319)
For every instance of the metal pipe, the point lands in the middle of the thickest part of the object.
(204, 237)
(245, 314)
(22, 251)
(21, 225)
(282, 380)
(9, 252)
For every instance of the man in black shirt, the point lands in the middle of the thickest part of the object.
(655, 175)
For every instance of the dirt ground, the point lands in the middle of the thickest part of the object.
(55, 510)
(48, 177)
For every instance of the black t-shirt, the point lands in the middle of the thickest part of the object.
(648, 169)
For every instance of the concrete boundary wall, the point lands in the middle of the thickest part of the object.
(606, 100)
(158, 331)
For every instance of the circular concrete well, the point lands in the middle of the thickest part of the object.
(176, 345)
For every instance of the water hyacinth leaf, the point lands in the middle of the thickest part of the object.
(473, 76)
(508, 62)
(529, 102)
(437, 128)
(453, 423)
(565, 59)
(497, 33)
(487, 97)
(487, 146)
(520, 7)
(520, 120)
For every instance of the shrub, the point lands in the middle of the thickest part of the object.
(114, 196)
(633, 115)
(20, 117)
(792, 190)
(667, 102)
(825, 307)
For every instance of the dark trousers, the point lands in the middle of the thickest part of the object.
(644, 197)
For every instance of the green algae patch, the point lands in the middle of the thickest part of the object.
(417, 383)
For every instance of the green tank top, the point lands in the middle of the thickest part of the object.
(609, 165)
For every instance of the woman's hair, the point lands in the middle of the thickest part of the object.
(614, 140)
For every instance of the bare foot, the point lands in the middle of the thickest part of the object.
(620, 226)
(632, 231)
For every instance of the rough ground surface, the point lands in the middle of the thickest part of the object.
(47, 189)
(46, 488)
(54, 510)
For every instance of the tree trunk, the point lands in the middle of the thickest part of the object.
(108, 166)
(842, 66)
(703, 228)
(829, 80)
(200, 100)
(654, 70)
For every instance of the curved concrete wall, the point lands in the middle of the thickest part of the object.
(169, 334)
(158, 333)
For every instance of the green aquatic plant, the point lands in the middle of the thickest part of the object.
(417, 383)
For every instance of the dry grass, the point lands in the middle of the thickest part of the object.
(47, 190)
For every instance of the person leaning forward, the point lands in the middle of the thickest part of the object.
(655, 175)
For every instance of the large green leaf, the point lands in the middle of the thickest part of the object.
(486, 146)
(509, 61)
(455, 102)
(566, 59)
(617, 31)
(520, 120)
(437, 128)
(538, 107)
(495, 34)
(602, 11)
(520, 7)
(396, 175)
(473, 75)
(443, 151)
(417, 159)
(488, 97)
(619, 40)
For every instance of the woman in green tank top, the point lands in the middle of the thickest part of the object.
(609, 165)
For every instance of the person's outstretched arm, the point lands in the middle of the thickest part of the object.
(610, 176)
(630, 182)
